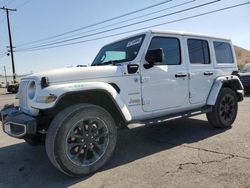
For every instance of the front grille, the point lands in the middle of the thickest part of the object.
(22, 94)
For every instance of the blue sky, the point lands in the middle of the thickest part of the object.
(43, 18)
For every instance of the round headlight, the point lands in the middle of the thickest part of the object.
(32, 90)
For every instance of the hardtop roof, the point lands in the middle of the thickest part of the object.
(170, 32)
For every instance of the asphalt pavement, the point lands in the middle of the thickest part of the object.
(180, 153)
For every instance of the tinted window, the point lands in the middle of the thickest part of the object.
(198, 51)
(223, 52)
(170, 47)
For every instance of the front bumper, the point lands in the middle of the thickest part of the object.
(16, 123)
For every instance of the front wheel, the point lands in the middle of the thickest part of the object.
(225, 110)
(81, 139)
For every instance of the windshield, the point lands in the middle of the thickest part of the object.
(246, 68)
(122, 51)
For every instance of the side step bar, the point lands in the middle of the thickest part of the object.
(147, 122)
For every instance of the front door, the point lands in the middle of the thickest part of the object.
(165, 85)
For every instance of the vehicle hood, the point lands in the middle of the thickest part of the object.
(66, 75)
(245, 74)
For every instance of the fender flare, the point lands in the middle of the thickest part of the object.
(219, 82)
(61, 90)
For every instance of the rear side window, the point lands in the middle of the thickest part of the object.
(223, 52)
(198, 51)
(170, 47)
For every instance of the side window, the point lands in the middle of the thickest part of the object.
(170, 47)
(223, 52)
(198, 51)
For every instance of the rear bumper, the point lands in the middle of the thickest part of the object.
(246, 86)
(17, 124)
(240, 95)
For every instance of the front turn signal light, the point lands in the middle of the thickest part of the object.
(46, 99)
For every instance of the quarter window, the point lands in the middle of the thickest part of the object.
(170, 47)
(223, 52)
(198, 51)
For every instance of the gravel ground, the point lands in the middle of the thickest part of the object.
(181, 153)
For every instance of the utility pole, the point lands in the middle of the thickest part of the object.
(5, 75)
(10, 40)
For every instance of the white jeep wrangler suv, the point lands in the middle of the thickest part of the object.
(144, 79)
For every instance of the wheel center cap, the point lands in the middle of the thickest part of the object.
(88, 140)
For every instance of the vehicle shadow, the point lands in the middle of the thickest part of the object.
(7, 93)
(26, 166)
(247, 94)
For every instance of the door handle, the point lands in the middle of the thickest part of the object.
(208, 73)
(181, 75)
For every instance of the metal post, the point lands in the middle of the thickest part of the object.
(5, 75)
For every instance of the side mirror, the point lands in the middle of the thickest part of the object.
(153, 56)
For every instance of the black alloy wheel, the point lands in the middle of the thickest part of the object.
(87, 141)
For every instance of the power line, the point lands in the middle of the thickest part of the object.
(98, 23)
(23, 4)
(4, 2)
(128, 25)
(2, 53)
(156, 25)
(117, 23)
(9, 3)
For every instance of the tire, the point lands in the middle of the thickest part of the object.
(81, 139)
(225, 110)
(36, 140)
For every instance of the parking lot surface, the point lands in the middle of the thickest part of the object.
(179, 153)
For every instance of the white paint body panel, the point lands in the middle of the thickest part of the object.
(161, 90)
(214, 92)
(149, 92)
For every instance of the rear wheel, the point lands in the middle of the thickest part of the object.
(225, 110)
(81, 139)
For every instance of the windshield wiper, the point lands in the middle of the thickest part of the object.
(111, 62)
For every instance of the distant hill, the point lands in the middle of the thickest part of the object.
(243, 56)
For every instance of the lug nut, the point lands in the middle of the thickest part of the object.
(76, 149)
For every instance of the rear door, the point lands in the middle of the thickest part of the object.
(201, 69)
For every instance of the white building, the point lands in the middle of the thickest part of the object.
(9, 79)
